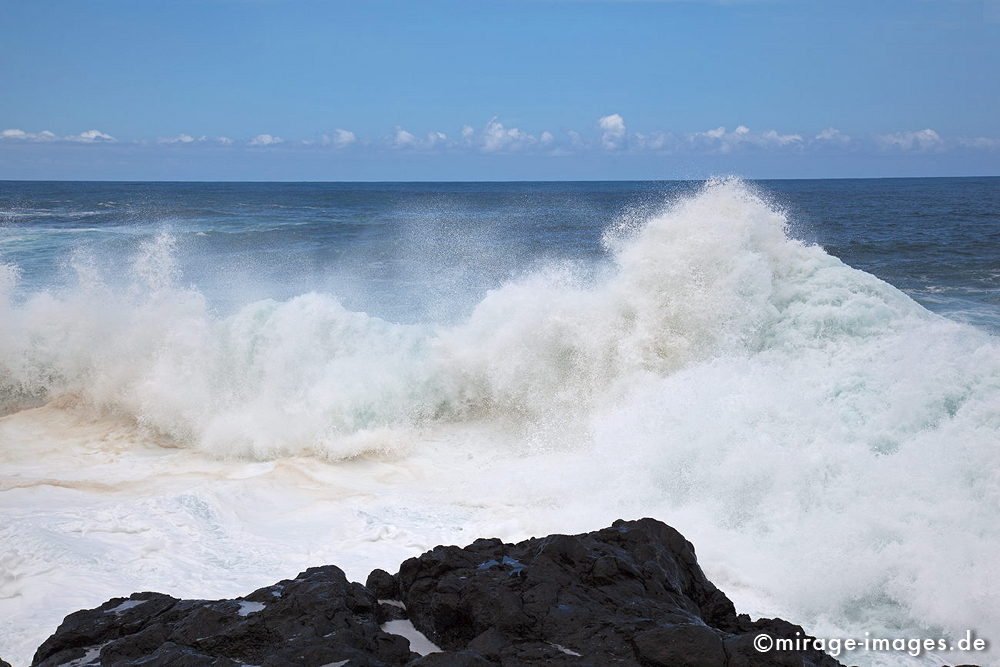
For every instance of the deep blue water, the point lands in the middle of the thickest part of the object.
(418, 251)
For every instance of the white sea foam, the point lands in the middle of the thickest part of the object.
(827, 444)
(419, 643)
(246, 608)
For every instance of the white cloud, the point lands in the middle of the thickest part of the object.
(91, 137)
(265, 140)
(437, 139)
(340, 138)
(920, 140)
(180, 139)
(610, 134)
(833, 135)
(613, 131)
(496, 138)
(404, 139)
(720, 140)
(981, 143)
(21, 135)
(654, 141)
(774, 138)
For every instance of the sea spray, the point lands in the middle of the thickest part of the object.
(712, 275)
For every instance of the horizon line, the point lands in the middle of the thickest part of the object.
(512, 181)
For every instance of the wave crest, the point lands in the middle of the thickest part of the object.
(714, 275)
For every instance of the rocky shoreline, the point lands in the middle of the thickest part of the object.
(630, 594)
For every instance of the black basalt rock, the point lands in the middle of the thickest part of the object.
(315, 619)
(631, 594)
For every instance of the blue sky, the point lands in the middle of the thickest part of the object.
(516, 89)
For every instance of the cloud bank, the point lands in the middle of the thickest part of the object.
(45, 136)
(609, 134)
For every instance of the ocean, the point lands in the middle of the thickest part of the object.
(207, 387)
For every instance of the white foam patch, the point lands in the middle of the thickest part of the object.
(247, 607)
(91, 657)
(393, 603)
(565, 650)
(125, 606)
(418, 641)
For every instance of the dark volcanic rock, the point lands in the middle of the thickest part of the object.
(631, 594)
(315, 619)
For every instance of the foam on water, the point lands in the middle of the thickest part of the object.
(827, 444)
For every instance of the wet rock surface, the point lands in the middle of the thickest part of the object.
(318, 618)
(630, 594)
